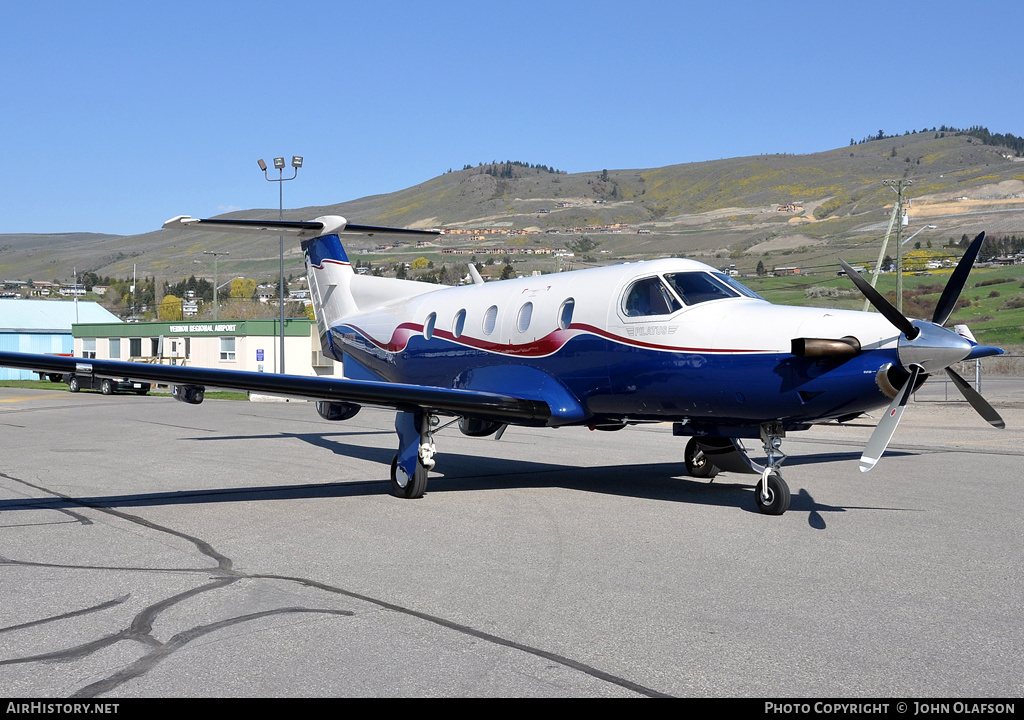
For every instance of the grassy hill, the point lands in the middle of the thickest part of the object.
(779, 210)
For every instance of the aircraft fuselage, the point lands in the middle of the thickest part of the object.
(722, 364)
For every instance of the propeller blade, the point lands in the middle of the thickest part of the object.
(955, 286)
(976, 400)
(881, 304)
(880, 438)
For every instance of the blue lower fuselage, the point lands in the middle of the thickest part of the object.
(593, 380)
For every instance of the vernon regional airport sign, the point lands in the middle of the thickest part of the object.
(203, 328)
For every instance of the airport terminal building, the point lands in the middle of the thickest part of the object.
(250, 345)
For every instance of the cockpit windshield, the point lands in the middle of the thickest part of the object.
(698, 287)
(738, 286)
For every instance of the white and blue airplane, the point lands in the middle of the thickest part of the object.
(656, 341)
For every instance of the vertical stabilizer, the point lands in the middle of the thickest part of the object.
(330, 283)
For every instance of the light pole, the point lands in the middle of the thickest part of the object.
(280, 180)
(215, 303)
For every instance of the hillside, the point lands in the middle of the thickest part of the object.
(734, 208)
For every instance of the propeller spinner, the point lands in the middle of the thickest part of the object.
(924, 347)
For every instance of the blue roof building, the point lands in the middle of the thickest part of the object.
(43, 326)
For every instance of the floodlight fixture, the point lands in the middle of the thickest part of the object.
(263, 165)
(279, 163)
(296, 161)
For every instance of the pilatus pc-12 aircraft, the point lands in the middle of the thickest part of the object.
(645, 342)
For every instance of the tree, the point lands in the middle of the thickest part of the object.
(760, 268)
(420, 263)
(169, 309)
(508, 271)
(242, 288)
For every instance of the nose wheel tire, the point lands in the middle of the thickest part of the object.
(774, 500)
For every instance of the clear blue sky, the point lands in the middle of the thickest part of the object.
(119, 115)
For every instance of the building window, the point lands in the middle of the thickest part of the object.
(115, 348)
(134, 347)
(227, 348)
(89, 348)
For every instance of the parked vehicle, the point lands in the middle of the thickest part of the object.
(106, 385)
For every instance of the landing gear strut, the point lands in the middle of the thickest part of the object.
(416, 450)
(772, 492)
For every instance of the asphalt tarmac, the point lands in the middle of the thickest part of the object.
(154, 549)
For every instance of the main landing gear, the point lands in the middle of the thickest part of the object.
(416, 450)
(771, 493)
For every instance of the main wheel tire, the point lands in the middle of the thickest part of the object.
(415, 488)
(697, 463)
(73, 384)
(106, 387)
(778, 495)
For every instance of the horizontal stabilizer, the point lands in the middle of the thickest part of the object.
(325, 225)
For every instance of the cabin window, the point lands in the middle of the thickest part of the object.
(428, 325)
(649, 297)
(698, 287)
(459, 324)
(523, 321)
(490, 319)
(565, 314)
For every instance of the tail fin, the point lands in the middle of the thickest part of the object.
(330, 283)
(330, 273)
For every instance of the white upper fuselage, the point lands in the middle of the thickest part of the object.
(731, 324)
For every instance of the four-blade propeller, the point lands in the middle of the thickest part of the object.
(924, 348)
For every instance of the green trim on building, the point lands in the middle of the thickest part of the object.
(293, 327)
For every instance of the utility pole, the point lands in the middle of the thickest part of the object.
(899, 187)
(215, 303)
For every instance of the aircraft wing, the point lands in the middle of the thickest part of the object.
(446, 401)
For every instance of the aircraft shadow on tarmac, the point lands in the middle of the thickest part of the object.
(465, 473)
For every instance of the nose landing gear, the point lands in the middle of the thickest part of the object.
(772, 492)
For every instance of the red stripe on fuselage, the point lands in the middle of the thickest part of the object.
(539, 347)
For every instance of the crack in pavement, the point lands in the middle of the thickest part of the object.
(141, 627)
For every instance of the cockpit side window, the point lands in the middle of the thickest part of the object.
(649, 297)
(698, 287)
